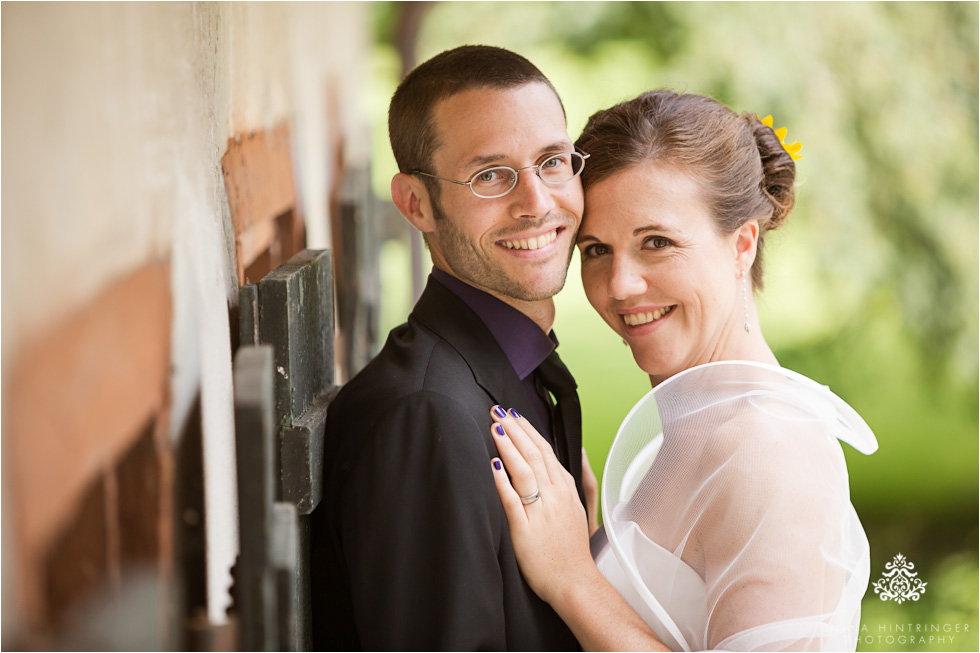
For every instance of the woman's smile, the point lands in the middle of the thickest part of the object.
(638, 318)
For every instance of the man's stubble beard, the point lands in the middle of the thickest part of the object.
(468, 263)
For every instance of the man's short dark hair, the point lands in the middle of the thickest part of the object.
(411, 127)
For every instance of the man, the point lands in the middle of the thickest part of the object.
(411, 548)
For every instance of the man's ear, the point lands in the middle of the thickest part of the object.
(412, 198)
(746, 240)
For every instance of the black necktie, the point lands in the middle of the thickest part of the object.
(567, 419)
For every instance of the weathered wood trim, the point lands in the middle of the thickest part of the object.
(259, 182)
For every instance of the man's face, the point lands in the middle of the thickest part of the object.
(517, 246)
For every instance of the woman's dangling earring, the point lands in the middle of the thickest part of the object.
(745, 301)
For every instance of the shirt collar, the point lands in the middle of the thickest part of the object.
(523, 342)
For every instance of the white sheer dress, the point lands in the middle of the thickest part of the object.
(727, 516)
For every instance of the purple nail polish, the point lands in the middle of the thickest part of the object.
(516, 414)
(500, 411)
(496, 465)
(500, 430)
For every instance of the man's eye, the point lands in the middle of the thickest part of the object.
(487, 176)
(554, 162)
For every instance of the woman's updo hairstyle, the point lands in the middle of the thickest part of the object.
(743, 170)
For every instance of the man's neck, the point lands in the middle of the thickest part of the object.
(541, 312)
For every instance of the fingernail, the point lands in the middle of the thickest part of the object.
(500, 411)
(500, 430)
(516, 414)
(496, 465)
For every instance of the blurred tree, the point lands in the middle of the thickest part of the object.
(659, 27)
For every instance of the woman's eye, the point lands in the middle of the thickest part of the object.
(597, 249)
(659, 242)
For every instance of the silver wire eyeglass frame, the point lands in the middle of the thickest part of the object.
(578, 157)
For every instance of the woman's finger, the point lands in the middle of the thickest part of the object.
(523, 477)
(519, 430)
(511, 500)
(535, 449)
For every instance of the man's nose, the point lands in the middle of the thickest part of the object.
(532, 197)
(627, 278)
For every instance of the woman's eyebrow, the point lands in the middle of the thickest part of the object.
(636, 232)
(651, 227)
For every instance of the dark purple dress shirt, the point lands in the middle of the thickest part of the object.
(524, 343)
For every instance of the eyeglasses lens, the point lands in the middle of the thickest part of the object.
(494, 182)
(561, 167)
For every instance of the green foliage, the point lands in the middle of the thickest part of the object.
(654, 26)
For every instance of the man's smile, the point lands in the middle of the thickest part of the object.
(532, 242)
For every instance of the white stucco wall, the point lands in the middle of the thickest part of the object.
(116, 116)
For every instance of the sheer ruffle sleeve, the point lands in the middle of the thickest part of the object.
(728, 513)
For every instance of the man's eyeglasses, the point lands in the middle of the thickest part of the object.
(500, 180)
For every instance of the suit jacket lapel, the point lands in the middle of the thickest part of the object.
(445, 314)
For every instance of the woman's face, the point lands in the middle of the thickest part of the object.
(659, 272)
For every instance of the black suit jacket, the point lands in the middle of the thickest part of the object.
(410, 545)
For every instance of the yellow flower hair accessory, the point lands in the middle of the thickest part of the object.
(791, 148)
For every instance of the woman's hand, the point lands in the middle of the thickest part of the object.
(548, 526)
(551, 540)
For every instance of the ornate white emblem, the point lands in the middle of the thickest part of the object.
(899, 583)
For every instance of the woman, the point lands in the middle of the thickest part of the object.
(725, 495)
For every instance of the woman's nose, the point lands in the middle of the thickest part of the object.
(627, 278)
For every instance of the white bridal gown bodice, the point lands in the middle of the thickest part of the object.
(727, 516)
